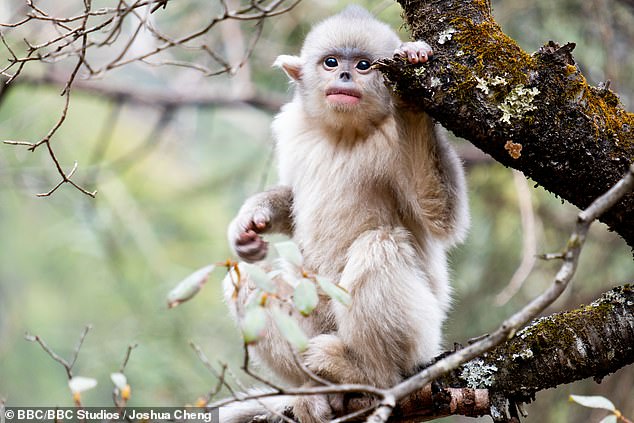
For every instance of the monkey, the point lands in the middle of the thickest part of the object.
(374, 197)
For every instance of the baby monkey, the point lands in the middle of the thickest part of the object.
(373, 197)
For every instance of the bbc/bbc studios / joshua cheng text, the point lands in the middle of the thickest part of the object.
(94, 414)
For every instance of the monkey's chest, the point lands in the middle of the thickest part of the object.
(338, 195)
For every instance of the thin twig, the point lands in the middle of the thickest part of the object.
(247, 370)
(68, 367)
(74, 37)
(50, 352)
(311, 375)
(126, 358)
(82, 337)
(529, 240)
(220, 376)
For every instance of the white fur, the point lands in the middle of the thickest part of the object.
(374, 198)
(245, 411)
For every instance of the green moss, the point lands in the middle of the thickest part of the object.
(496, 54)
(602, 107)
(487, 62)
(551, 330)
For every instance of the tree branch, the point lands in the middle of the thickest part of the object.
(551, 351)
(535, 113)
(157, 98)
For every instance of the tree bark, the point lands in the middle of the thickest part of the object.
(590, 341)
(535, 113)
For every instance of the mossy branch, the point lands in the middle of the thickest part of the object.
(535, 113)
(551, 351)
(590, 341)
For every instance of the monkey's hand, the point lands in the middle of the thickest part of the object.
(244, 234)
(268, 211)
(414, 51)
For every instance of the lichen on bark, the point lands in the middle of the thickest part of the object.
(561, 348)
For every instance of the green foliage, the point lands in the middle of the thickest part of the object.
(300, 300)
(335, 292)
(189, 286)
(261, 279)
(288, 251)
(289, 328)
(305, 296)
(253, 323)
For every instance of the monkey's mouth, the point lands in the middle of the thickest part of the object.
(343, 96)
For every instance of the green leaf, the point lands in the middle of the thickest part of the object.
(305, 296)
(253, 324)
(609, 419)
(335, 292)
(188, 287)
(119, 380)
(80, 384)
(289, 251)
(595, 401)
(259, 277)
(290, 329)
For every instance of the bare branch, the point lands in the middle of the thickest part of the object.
(247, 370)
(72, 37)
(529, 241)
(160, 98)
(127, 357)
(82, 337)
(220, 376)
(68, 366)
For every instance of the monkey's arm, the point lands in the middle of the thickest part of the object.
(431, 183)
(453, 221)
(265, 212)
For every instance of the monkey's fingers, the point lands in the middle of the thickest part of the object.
(414, 51)
(247, 237)
(250, 246)
(260, 221)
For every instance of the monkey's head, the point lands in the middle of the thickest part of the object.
(334, 77)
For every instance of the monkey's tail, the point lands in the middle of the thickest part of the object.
(245, 411)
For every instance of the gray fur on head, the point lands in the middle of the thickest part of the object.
(350, 28)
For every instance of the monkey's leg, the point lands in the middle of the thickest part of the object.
(394, 320)
(275, 352)
(272, 349)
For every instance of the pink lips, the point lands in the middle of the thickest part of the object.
(343, 96)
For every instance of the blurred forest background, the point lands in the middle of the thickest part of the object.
(170, 179)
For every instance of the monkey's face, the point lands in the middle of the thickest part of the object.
(342, 84)
(344, 77)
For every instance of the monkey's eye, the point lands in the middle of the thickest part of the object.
(330, 62)
(363, 65)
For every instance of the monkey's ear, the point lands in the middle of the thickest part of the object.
(292, 66)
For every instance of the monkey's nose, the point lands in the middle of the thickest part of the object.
(344, 76)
